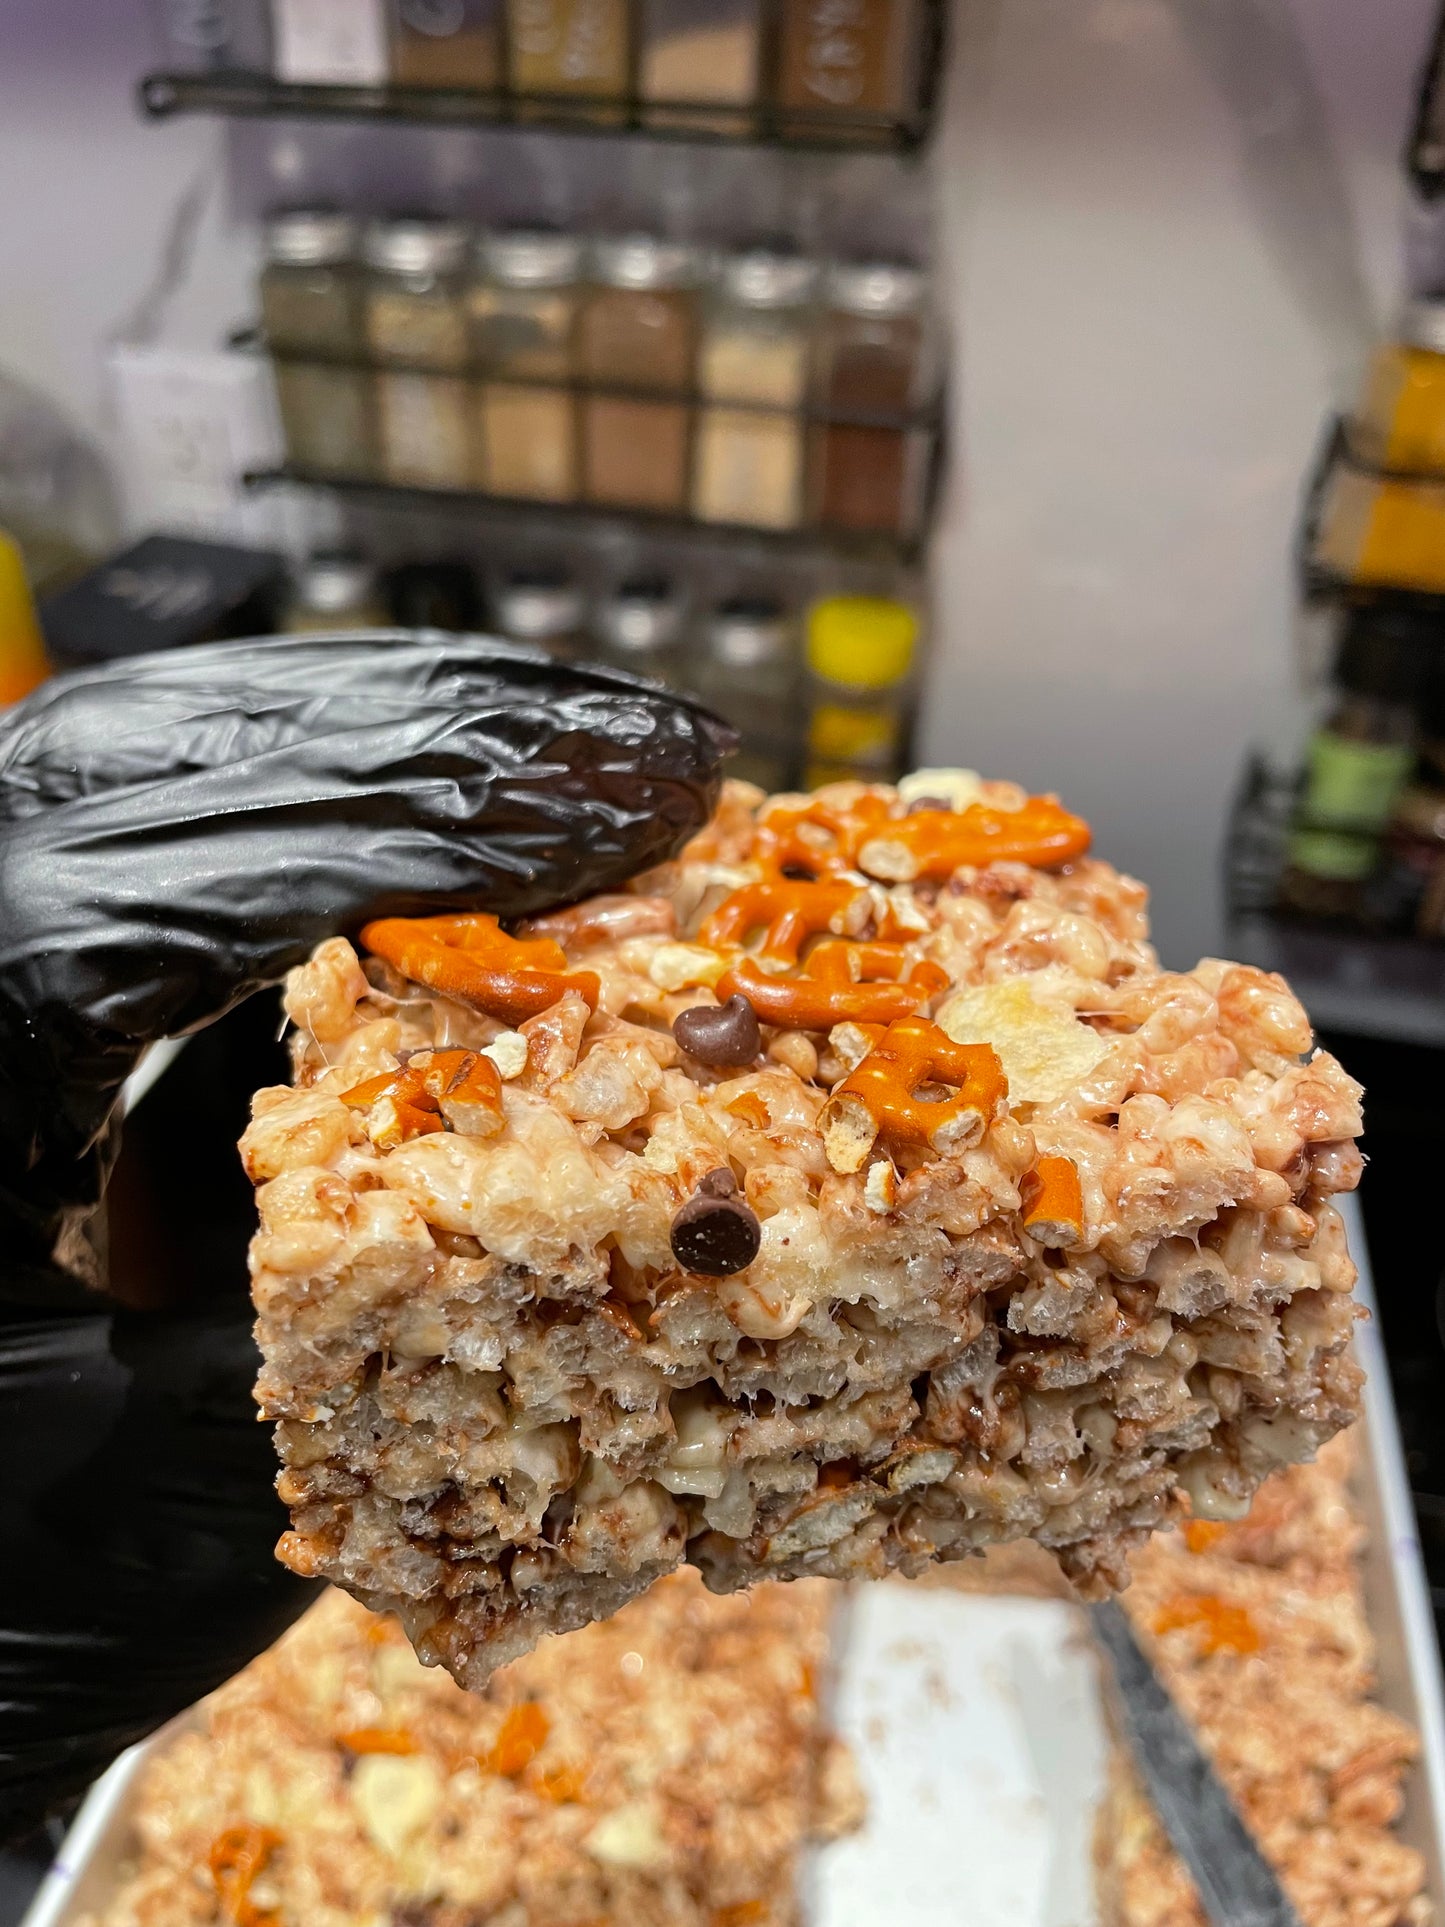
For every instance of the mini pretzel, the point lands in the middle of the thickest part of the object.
(878, 1098)
(841, 982)
(780, 844)
(457, 1087)
(788, 912)
(934, 843)
(237, 1857)
(1053, 1202)
(473, 959)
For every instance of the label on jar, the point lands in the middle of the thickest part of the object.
(843, 54)
(563, 44)
(1353, 784)
(425, 439)
(336, 43)
(1350, 790)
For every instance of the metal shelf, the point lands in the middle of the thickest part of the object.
(901, 550)
(1348, 978)
(762, 123)
(1425, 153)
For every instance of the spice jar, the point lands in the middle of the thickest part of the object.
(699, 51)
(333, 590)
(541, 607)
(1401, 422)
(637, 628)
(860, 652)
(748, 463)
(311, 306)
(521, 310)
(873, 364)
(847, 57)
(1356, 764)
(638, 331)
(446, 43)
(416, 329)
(433, 595)
(748, 673)
(1415, 847)
(570, 47)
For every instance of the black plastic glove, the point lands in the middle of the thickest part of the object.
(175, 832)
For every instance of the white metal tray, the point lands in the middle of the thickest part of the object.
(977, 1727)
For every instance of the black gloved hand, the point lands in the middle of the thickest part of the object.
(175, 832)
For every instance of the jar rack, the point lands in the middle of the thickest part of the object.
(1338, 465)
(869, 546)
(1348, 977)
(922, 426)
(1425, 152)
(768, 121)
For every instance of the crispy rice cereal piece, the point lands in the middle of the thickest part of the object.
(1260, 1633)
(856, 1192)
(663, 1770)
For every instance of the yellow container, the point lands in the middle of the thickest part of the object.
(860, 652)
(1401, 421)
(23, 662)
(1382, 533)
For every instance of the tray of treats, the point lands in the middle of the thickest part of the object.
(851, 1197)
(819, 1754)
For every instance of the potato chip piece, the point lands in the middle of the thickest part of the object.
(956, 789)
(1045, 1052)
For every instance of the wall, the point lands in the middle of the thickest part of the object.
(93, 195)
(1168, 227)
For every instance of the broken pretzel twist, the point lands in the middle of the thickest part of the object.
(435, 1088)
(473, 959)
(879, 1098)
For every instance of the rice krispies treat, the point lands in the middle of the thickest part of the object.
(1260, 1633)
(664, 1770)
(666, 1252)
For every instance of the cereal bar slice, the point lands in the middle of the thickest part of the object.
(854, 1192)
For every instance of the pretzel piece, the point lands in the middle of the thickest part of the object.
(932, 844)
(1053, 1202)
(815, 838)
(879, 1099)
(436, 1088)
(237, 1857)
(473, 959)
(788, 911)
(841, 982)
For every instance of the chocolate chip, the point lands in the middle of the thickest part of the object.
(719, 1184)
(715, 1235)
(928, 803)
(719, 1033)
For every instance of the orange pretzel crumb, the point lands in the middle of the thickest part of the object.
(236, 1859)
(1053, 1202)
(524, 1730)
(1222, 1626)
(377, 1739)
(473, 959)
(878, 1098)
(457, 1087)
(1202, 1535)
